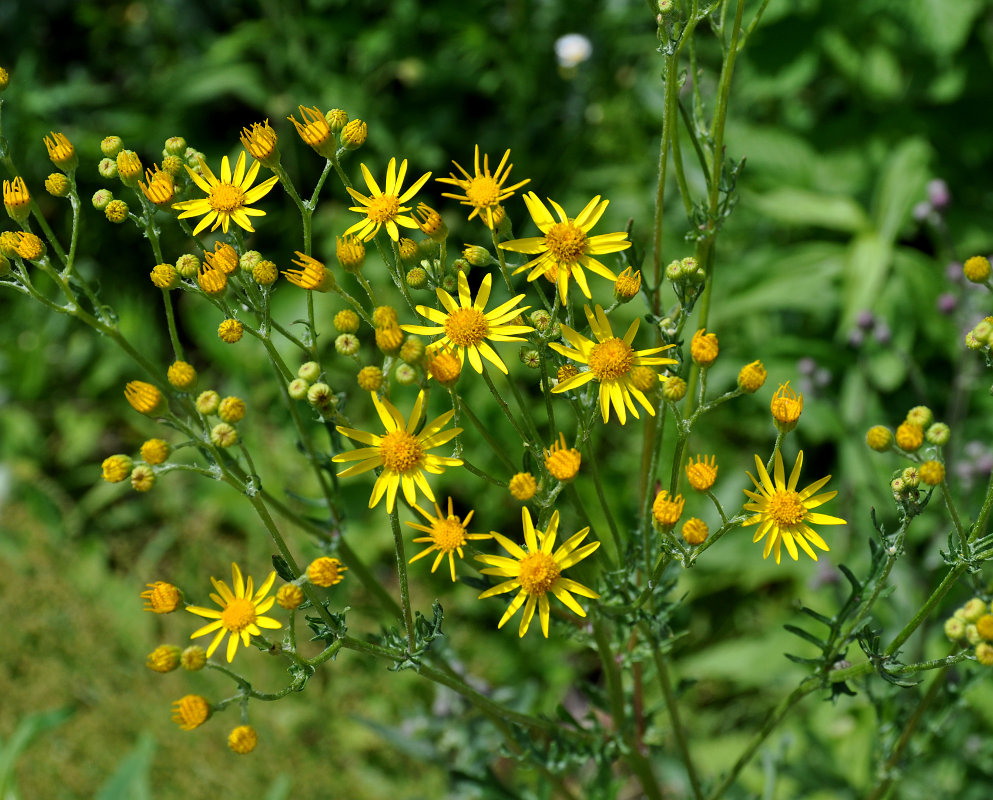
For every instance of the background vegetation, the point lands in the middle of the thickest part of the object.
(834, 270)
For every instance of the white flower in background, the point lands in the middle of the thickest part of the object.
(572, 49)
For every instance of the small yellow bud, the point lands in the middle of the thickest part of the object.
(627, 285)
(129, 168)
(17, 200)
(116, 211)
(164, 276)
(57, 185)
(909, 437)
(212, 282)
(111, 146)
(370, 379)
(265, 273)
(383, 316)
(673, 388)
(922, 416)
(191, 711)
(977, 269)
(443, 365)
(315, 131)
(29, 246)
(188, 265)
(193, 658)
(974, 609)
(644, 379)
(786, 407)
(207, 402)
(337, 119)
(143, 397)
(161, 597)
(416, 277)
(224, 435)
(523, 486)
(289, 596)
(695, 531)
(61, 151)
(142, 478)
(325, 571)
(182, 376)
(412, 350)
(354, 134)
(310, 371)
(346, 321)
(389, 339)
(350, 251)
(751, 377)
(561, 461)
(430, 223)
(116, 468)
(477, 256)
(164, 658)
(702, 473)
(313, 276)
(243, 739)
(667, 510)
(230, 331)
(879, 438)
(260, 142)
(932, 473)
(232, 409)
(155, 451)
(704, 348)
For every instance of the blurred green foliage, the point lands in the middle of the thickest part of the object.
(843, 112)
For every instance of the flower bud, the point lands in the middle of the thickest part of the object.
(346, 344)
(354, 134)
(412, 350)
(627, 285)
(310, 371)
(409, 251)
(61, 152)
(523, 486)
(155, 451)
(107, 168)
(974, 609)
(922, 416)
(938, 434)
(207, 402)
(337, 119)
(144, 397)
(116, 468)
(751, 377)
(249, 260)
(909, 437)
(370, 379)
(232, 409)
(129, 168)
(430, 223)
(164, 658)
(346, 321)
(142, 478)
(57, 185)
(116, 211)
(320, 396)
(111, 146)
(188, 265)
(405, 374)
(174, 146)
(704, 348)
(260, 141)
(265, 273)
(879, 438)
(477, 256)
(230, 331)
(298, 388)
(17, 200)
(100, 199)
(673, 388)
(417, 278)
(182, 376)
(977, 269)
(193, 658)
(289, 596)
(350, 251)
(224, 435)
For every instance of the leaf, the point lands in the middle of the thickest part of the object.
(805, 635)
(796, 206)
(130, 780)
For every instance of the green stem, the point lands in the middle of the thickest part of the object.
(177, 348)
(677, 726)
(408, 619)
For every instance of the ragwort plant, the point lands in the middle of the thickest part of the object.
(602, 357)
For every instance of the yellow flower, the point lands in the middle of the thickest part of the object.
(60, 151)
(445, 533)
(784, 513)
(384, 207)
(326, 571)
(523, 486)
(704, 347)
(610, 361)
(240, 613)
(191, 711)
(565, 248)
(227, 199)
(313, 276)
(702, 473)
(483, 190)
(786, 407)
(667, 509)
(562, 462)
(260, 142)
(161, 597)
(243, 739)
(160, 188)
(143, 397)
(400, 452)
(537, 571)
(466, 327)
(17, 199)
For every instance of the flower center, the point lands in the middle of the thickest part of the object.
(611, 359)
(383, 208)
(466, 327)
(566, 242)
(225, 197)
(448, 534)
(538, 572)
(238, 614)
(786, 508)
(401, 452)
(483, 191)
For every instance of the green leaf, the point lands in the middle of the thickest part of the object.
(130, 781)
(795, 206)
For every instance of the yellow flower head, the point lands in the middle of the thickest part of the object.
(627, 285)
(230, 331)
(430, 222)
(483, 191)
(695, 531)
(143, 397)
(326, 571)
(61, 151)
(385, 207)
(260, 142)
(446, 534)
(751, 377)
(704, 348)
(351, 253)
(784, 514)
(443, 365)
(243, 739)
(315, 130)
(466, 325)
(240, 613)
(161, 597)
(289, 596)
(224, 258)
(164, 658)
(17, 199)
(667, 509)
(610, 360)
(313, 275)
(523, 486)
(909, 437)
(29, 246)
(191, 711)
(702, 473)
(537, 570)
(562, 462)
(932, 473)
(155, 451)
(565, 249)
(400, 452)
(160, 188)
(786, 407)
(229, 198)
